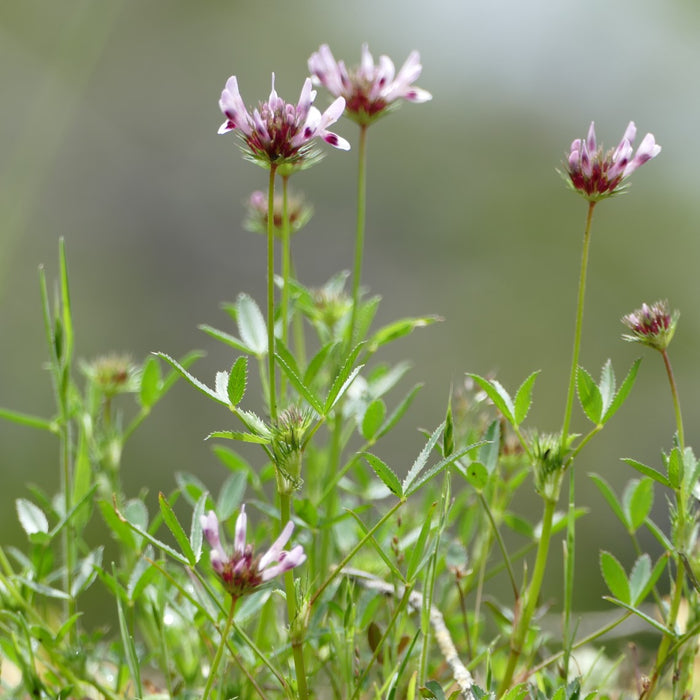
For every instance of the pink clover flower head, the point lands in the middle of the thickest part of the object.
(242, 572)
(596, 174)
(369, 90)
(653, 325)
(276, 132)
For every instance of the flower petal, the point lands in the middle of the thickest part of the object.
(272, 554)
(240, 535)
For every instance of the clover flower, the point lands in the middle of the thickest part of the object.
(256, 217)
(653, 325)
(278, 133)
(369, 90)
(242, 572)
(597, 175)
(113, 374)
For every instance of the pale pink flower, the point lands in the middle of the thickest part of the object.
(276, 132)
(242, 572)
(369, 90)
(596, 174)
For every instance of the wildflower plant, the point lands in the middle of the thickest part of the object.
(320, 568)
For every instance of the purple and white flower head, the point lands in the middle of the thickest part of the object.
(652, 325)
(596, 174)
(369, 90)
(276, 132)
(242, 572)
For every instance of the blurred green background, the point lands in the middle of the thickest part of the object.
(108, 138)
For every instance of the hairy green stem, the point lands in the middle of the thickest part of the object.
(271, 292)
(286, 272)
(676, 400)
(290, 595)
(579, 324)
(529, 600)
(360, 231)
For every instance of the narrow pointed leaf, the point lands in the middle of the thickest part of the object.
(639, 502)
(611, 498)
(488, 454)
(151, 383)
(607, 385)
(193, 380)
(26, 419)
(343, 379)
(227, 338)
(299, 385)
(589, 396)
(316, 364)
(398, 329)
(623, 392)
(251, 324)
(433, 471)
(498, 395)
(385, 473)
(647, 471)
(650, 620)
(242, 437)
(174, 526)
(639, 576)
(523, 398)
(153, 540)
(399, 411)
(237, 380)
(422, 458)
(373, 419)
(615, 577)
(196, 528)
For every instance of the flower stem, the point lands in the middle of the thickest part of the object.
(529, 600)
(286, 270)
(676, 401)
(290, 595)
(271, 291)
(360, 232)
(579, 325)
(220, 649)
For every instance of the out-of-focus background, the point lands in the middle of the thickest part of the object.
(108, 120)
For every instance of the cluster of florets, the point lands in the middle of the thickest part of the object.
(299, 212)
(369, 90)
(112, 374)
(596, 174)
(242, 571)
(278, 133)
(652, 325)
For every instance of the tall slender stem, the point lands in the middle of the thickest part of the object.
(676, 401)
(286, 272)
(271, 292)
(290, 595)
(579, 325)
(360, 231)
(570, 552)
(529, 601)
(220, 649)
